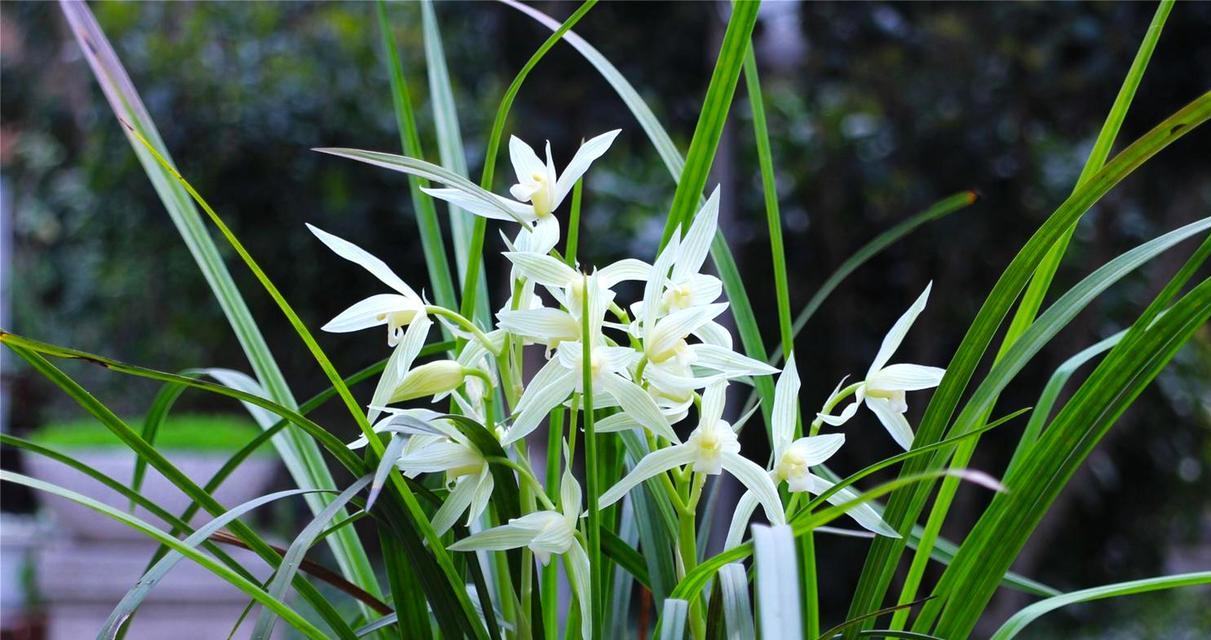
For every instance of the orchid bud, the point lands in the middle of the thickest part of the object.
(430, 379)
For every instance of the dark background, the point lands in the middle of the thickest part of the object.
(876, 110)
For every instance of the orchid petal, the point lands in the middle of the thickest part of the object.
(526, 162)
(497, 208)
(757, 481)
(363, 258)
(544, 324)
(370, 312)
(864, 514)
(654, 287)
(894, 421)
(591, 150)
(895, 336)
(543, 269)
(455, 504)
(578, 575)
(678, 324)
(713, 400)
(518, 533)
(625, 270)
(540, 397)
(615, 423)
(906, 377)
(639, 405)
(652, 465)
(697, 241)
(816, 449)
(740, 519)
(399, 363)
(786, 404)
(715, 334)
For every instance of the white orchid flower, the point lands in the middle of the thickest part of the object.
(710, 449)
(681, 286)
(435, 446)
(396, 310)
(549, 326)
(546, 533)
(793, 460)
(539, 190)
(678, 302)
(883, 389)
(610, 373)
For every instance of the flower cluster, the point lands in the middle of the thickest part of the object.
(651, 364)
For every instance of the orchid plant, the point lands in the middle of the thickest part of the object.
(591, 420)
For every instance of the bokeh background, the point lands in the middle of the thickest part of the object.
(876, 110)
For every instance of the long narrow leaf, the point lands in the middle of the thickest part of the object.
(243, 584)
(294, 555)
(1016, 623)
(124, 100)
(904, 508)
(422, 204)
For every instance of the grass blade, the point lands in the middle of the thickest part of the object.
(673, 618)
(1110, 389)
(150, 578)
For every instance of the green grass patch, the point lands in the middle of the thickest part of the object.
(187, 431)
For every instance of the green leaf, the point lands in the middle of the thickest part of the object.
(903, 508)
(288, 569)
(737, 613)
(712, 117)
(1016, 623)
(625, 555)
(434, 248)
(450, 147)
(150, 578)
(243, 584)
(124, 100)
(1032, 299)
(1004, 527)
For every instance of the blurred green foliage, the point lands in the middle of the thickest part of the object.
(183, 431)
(876, 110)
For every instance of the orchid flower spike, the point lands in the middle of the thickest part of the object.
(539, 190)
(710, 449)
(883, 389)
(546, 533)
(793, 460)
(396, 310)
